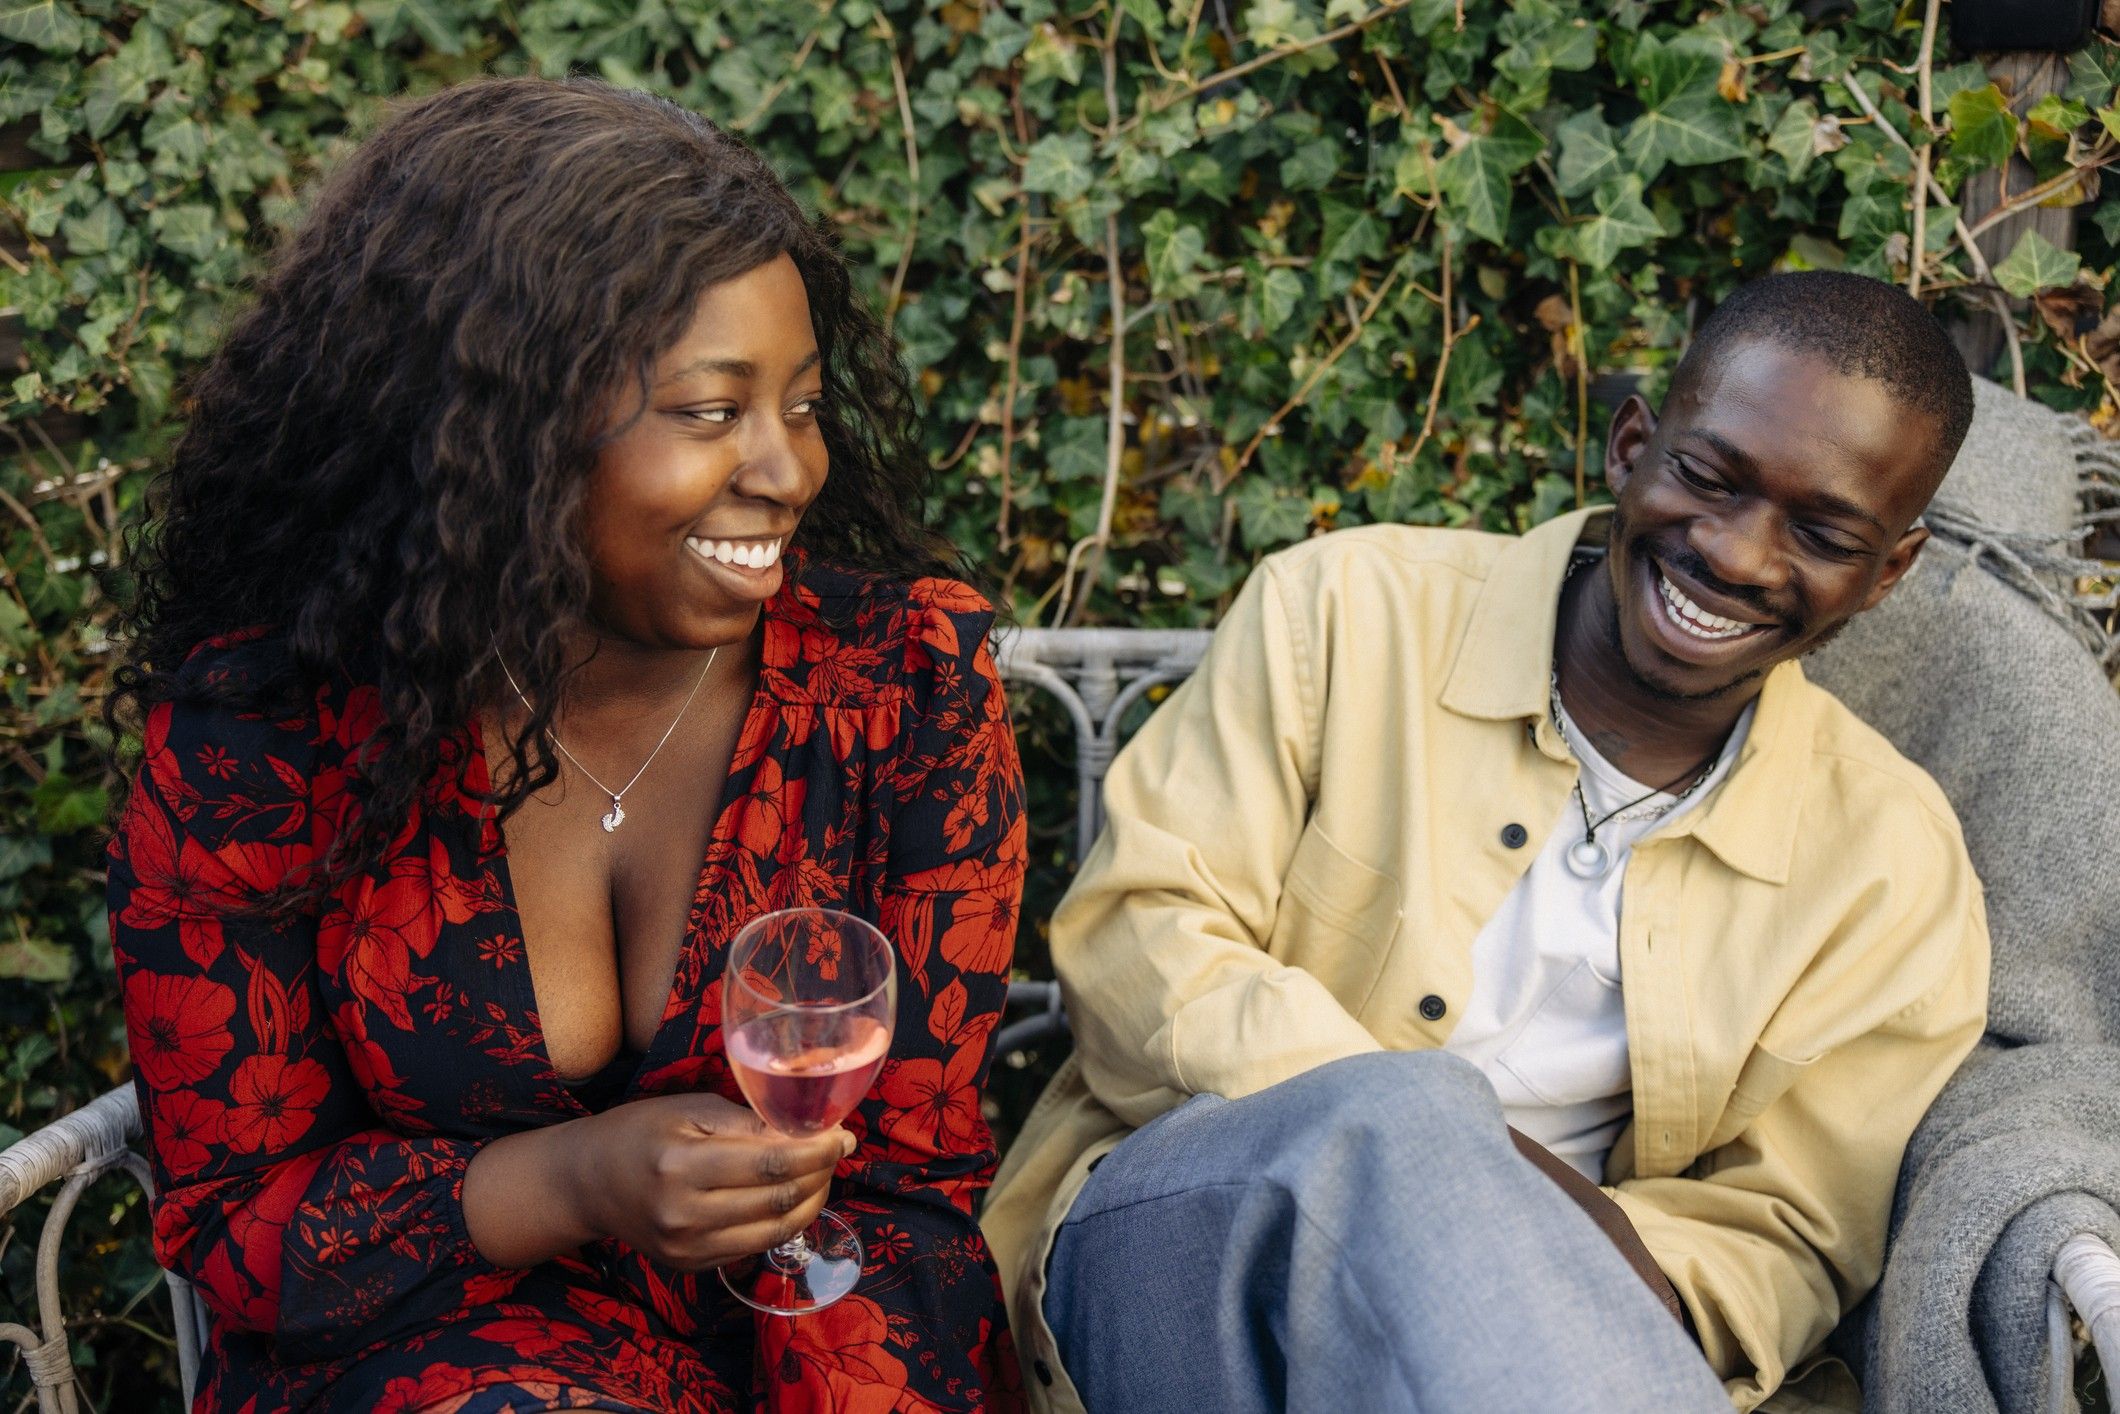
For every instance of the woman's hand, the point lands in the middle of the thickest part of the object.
(690, 1181)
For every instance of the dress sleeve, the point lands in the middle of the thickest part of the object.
(280, 1194)
(927, 1319)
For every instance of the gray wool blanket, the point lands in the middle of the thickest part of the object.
(1978, 669)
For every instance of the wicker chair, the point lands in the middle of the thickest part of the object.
(1097, 675)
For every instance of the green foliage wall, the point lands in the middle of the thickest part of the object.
(1367, 262)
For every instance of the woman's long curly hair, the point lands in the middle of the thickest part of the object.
(384, 462)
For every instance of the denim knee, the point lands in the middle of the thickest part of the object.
(1431, 1098)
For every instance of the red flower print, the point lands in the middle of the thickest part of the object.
(173, 881)
(374, 938)
(947, 1015)
(890, 1245)
(841, 1359)
(486, 1288)
(502, 950)
(771, 813)
(981, 934)
(437, 1388)
(823, 954)
(380, 1083)
(531, 1335)
(218, 763)
(934, 1107)
(186, 1126)
(275, 1102)
(178, 1027)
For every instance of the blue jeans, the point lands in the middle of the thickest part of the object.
(1359, 1239)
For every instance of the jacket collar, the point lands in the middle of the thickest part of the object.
(1505, 664)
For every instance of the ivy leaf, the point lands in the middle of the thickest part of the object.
(2057, 116)
(113, 87)
(45, 24)
(2094, 72)
(1059, 166)
(1667, 69)
(1311, 166)
(1589, 152)
(1270, 514)
(189, 228)
(1983, 130)
(1174, 251)
(1272, 23)
(36, 960)
(1271, 300)
(1622, 222)
(1352, 234)
(1475, 179)
(1691, 130)
(388, 19)
(2036, 264)
(1794, 137)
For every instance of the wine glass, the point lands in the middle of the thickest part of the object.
(808, 998)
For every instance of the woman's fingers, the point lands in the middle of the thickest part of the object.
(739, 1222)
(758, 1161)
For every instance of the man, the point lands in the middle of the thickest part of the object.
(1454, 835)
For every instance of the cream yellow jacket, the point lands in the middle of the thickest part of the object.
(1305, 839)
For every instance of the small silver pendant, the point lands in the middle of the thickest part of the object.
(1587, 859)
(616, 817)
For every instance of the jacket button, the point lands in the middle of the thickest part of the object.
(1433, 1007)
(1043, 1370)
(1514, 835)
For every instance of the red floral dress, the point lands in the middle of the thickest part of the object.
(314, 1090)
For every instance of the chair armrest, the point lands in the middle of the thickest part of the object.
(97, 1130)
(2088, 1273)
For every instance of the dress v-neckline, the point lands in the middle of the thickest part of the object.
(493, 850)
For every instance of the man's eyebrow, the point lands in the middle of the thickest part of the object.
(1824, 501)
(733, 368)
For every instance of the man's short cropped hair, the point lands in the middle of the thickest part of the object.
(1864, 328)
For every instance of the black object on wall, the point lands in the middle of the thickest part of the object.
(1985, 25)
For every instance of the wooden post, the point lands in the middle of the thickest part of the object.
(1975, 327)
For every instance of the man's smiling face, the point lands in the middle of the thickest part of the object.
(1769, 504)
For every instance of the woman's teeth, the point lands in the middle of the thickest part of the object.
(1694, 619)
(751, 554)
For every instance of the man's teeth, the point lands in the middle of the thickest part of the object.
(1694, 619)
(751, 555)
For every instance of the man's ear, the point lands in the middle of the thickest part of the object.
(1632, 427)
(1897, 561)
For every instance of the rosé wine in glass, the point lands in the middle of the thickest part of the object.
(803, 1084)
(808, 1000)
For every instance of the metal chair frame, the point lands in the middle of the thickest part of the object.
(1096, 675)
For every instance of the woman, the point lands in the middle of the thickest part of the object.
(537, 594)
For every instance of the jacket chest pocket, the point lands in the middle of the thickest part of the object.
(1337, 919)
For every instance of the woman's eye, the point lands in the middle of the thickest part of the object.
(808, 407)
(719, 417)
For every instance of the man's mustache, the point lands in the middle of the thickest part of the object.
(1689, 563)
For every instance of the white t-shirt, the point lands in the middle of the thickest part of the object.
(1546, 1022)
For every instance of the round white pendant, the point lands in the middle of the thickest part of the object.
(616, 817)
(1587, 859)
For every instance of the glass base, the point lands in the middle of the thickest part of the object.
(809, 1273)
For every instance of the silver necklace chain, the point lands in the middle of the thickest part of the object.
(1658, 813)
(616, 816)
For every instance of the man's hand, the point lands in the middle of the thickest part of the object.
(1610, 1218)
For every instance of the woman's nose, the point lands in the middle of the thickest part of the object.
(778, 461)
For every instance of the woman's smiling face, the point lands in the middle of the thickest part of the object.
(693, 501)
